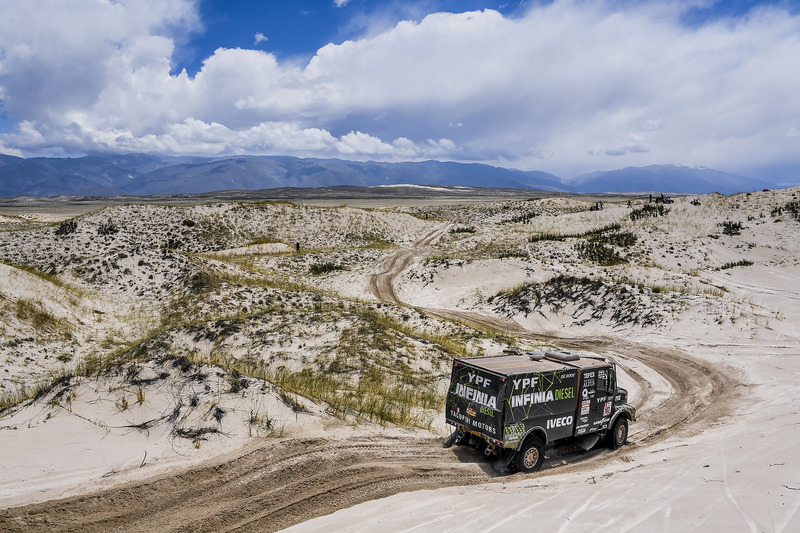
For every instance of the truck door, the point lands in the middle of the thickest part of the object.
(596, 401)
(475, 400)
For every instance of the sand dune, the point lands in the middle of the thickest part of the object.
(148, 340)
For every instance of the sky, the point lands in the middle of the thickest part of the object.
(564, 86)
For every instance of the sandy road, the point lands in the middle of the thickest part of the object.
(381, 285)
(267, 489)
(286, 483)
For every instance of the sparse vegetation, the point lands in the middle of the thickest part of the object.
(743, 262)
(325, 267)
(107, 228)
(731, 228)
(524, 217)
(66, 227)
(599, 253)
(792, 208)
(649, 211)
(463, 229)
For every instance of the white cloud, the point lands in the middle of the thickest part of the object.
(4, 150)
(259, 38)
(340, 3)
(568, 87)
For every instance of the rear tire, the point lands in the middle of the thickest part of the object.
(530, 456)
(619, 433)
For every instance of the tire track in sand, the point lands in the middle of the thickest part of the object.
(381, 285)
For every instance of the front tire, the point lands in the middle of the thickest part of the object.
(531, 456)
(619, 434)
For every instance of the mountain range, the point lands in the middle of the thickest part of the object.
(144, 175)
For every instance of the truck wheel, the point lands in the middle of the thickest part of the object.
(531, 456)
(619, 433)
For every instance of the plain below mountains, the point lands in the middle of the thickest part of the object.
(144, 175)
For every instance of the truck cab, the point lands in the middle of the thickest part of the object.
(518, 403)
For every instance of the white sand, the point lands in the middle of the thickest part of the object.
(740, 474)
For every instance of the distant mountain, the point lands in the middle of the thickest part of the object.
(666, 178)
(141, 174)
(250, 173)
(144, 175)
(84, 176)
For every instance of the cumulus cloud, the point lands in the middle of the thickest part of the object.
(4, 150)
(259, 38)
(566, 87)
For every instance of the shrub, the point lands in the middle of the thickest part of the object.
(66, 227)
(743, 262)
(324, 268)
(599, 253)
(793, 207)
(524, 218)
(463, 229)
(649, 211)
(547, 237)
(108, 228)
(731, 228)
(611, 235)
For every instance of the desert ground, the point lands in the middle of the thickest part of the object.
(272, 365)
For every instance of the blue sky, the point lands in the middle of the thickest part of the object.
(564, 86)
(296, 29)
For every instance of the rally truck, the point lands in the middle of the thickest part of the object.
(517, 403)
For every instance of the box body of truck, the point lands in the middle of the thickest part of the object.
(545, 396)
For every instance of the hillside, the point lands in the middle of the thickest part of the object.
(145, 175)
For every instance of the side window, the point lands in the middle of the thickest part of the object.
(604, 381)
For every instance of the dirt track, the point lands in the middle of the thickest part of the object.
(382, 283)
(282, 484)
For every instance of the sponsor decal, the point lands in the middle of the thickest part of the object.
(559, 422)
(607, 408)
(515, 432)
(488, 428)
(483, 426)
(585, 406)
(488, 411)
(471, 411)
(524, 383)
(565, 394)
(580, 431)
(584, 420)
(531, 398)
(476, 395)
(479, 380)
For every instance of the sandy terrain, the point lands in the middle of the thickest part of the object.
(160, 364)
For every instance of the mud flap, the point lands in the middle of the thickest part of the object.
(587, 441)
(454, 436)
(505, 459)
